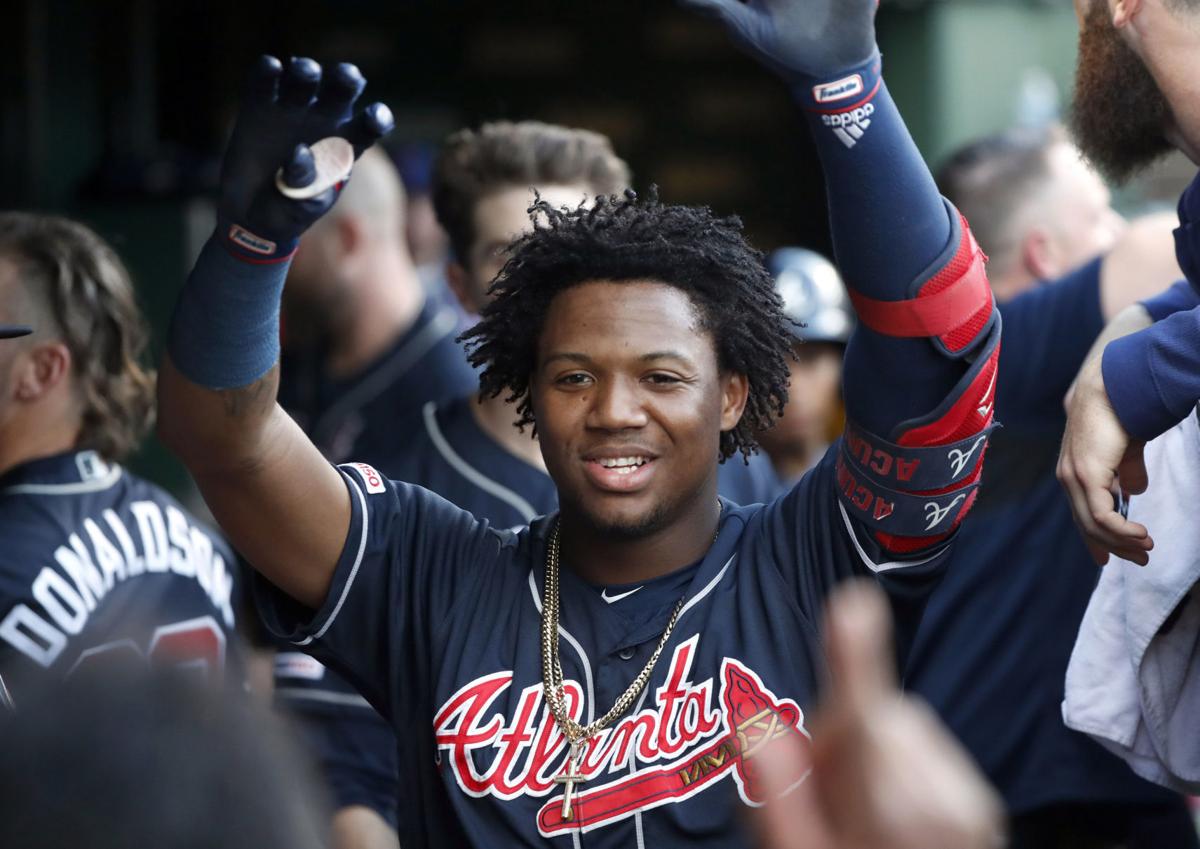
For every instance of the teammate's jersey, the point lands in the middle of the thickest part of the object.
(97, 561)
(357, 418)
(992, 651)
(435, 617)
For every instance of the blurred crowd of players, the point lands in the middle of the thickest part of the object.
(372, 371)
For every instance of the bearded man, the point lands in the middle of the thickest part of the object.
(1137, 60)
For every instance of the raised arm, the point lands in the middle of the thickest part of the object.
(920, 369)
(281, 503)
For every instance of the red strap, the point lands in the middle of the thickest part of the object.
(932, 315)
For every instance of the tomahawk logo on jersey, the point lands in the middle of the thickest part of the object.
(98, 563)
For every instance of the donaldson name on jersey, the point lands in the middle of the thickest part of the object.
(97, 561)
(434, 616)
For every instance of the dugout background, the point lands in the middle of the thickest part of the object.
(114, 111)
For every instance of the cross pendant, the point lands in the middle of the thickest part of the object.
(570, 777)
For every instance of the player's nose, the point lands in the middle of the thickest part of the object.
(616, 404)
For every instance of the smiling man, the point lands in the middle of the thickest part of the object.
(644, 343)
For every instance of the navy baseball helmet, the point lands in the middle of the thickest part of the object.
(814, 296)
(8, 331)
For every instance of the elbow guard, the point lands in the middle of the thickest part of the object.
(913, 488)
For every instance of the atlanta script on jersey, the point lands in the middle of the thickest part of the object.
(434, 617)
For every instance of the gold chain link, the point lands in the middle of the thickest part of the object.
(552, 675)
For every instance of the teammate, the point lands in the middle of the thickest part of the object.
(644, 341)
(96, 563)
(992, 650)
(114, 760)
(10, 331)
(464, 449)
(362, 344)
(1136, 60)
(814, 298)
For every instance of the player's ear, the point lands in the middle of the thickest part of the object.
(1123, 11)
(1038, 255)
(43, 367)
(459, 281)
(735, 391)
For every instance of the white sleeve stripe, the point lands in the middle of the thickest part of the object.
(881, 567)
(429, 413)
(362, 547)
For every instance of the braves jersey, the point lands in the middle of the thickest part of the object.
(446, 452)
(356, 418)
(434, 616)
(97, 562)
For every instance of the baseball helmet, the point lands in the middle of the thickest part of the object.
(813, 295)
(8, 331)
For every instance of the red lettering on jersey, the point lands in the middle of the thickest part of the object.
(373, 479)
(687, 739)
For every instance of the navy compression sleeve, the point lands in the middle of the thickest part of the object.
(889, 224)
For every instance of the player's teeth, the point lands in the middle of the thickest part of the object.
(622, 462)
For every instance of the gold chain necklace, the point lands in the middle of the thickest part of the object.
(552, 678)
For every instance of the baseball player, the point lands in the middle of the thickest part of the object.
(464, 449)
(362, 343)
(644, 341)
(814, 299)
(97, 564)
(993, 646)
(1134, 58)
(10, 331)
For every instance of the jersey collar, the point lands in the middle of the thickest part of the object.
(69, 473)
(582, 606)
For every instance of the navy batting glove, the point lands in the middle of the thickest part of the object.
(799, 39)
(285, 110)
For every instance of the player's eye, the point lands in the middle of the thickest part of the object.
(659, 378)
(575, 378)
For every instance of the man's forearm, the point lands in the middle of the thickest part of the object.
(208, 428)
(1153, 377)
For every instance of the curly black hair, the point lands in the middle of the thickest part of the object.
(625, 239)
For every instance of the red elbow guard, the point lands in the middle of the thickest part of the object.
(915, 488)
(952, 303)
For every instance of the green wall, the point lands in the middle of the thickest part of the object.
(958, 69)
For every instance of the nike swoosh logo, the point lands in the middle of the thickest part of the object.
(611, 598)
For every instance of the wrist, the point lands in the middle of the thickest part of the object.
(839, 91)
(225, 330)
